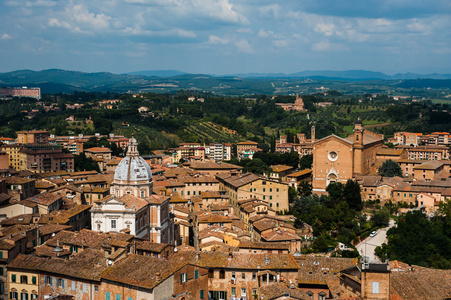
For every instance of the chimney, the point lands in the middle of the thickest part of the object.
(157, 276)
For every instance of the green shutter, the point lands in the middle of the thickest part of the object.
(107, 295)
(118, 297)
(201, 294)
(33, 279)
(13, 278)
(196, 274)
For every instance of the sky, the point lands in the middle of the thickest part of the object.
(226, 36)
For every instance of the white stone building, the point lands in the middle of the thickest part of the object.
(132, 206)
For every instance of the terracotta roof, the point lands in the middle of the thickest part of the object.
(317, 269)
(201, 179)
(420, 283)
(430, 165)
(247, 143)
(281, 168)
(279, 289)
(87, 238)
(210, 165)
(87, 264)
(263, 245)
(26, 262)
(52, 228)
(98, 149)
(268, 223)
(213, 218)
(300, 173)
(279, 235)
(239, 179)
(389, 152)
(18, 180)
(134, 270)
(152, 247)
(44, 198)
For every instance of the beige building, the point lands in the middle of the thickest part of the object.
(33, 137)
(246, 186)
(338, 159)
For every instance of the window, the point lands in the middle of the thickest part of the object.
(24, 296)
(184, 277)
(211, 274)
(277, 190)
(73, 285)
(221, 274)
(196, 274)
(254, 276)
(201, 295)
(322, 296)
(118, 297)
(96, 288)
(13, 278)
(375, 287)
(1, 270)
(243, 292)
(113, 224)
(60, 282)
(129, 298)
(107, 295)
(85, 288)
(33, 280)
(34, 296)
(243, 275)
(264, 190)
(13, 295)
(233, 291)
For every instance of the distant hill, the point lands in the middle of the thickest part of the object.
(158, 73)
(55, 80)
(345, 75)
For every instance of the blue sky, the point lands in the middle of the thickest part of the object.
(226, 36)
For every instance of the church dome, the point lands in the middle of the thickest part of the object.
(133, 167)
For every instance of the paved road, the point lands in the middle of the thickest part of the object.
(368, 245)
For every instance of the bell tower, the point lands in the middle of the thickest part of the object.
(358, 147)
(313, 133)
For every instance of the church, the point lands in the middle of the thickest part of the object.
(337, 159)
(132, 206)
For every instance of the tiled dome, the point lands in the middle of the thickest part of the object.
(133, 167)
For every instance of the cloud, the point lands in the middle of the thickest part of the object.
(270, 11)
(213, 39)
(78, 19)
(244, 30)
(5, 36)
(244, 46)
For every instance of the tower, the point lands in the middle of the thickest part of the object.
(313, 132)
(358, 147)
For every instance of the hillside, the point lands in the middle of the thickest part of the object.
(306, 82)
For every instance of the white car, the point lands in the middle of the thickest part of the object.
(373, 233)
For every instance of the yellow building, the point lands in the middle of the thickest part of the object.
(13, 153)
(337, 159)
(246, 186)
(23, 279)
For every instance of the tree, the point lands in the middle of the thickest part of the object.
(306, 162)
(390, 168)
(292, 194)
(305, 188)
(257, 166)
(351, 194)
(335, 190)
(381, 217)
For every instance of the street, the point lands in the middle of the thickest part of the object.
(367, 246)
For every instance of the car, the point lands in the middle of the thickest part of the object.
(373, 233)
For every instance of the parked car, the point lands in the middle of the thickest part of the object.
(373, 233)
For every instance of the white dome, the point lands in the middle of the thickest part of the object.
(133, 168)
